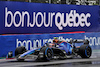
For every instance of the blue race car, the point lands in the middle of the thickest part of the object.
(58, 49)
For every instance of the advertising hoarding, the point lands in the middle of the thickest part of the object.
(11, 42)
(30, 18)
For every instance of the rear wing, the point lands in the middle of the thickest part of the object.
(85, 41)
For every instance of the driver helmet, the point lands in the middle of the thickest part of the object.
(55, 40)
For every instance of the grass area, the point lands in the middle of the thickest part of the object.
(98, 50)
(2, 57)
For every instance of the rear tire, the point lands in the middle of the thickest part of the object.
(18, 51)
(85, 51)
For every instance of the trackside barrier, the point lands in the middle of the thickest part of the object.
(29, 18)
(10, 42)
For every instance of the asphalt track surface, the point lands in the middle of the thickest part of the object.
(94, 61)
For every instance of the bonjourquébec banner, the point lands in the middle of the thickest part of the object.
(11, 42)
(30, 18)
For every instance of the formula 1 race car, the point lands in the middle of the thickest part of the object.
(58, 49)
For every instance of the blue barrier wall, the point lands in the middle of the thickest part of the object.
(10, 42)
(22, 18)
(25, 18)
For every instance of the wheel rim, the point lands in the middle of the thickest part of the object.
(48, 53)
(88, 51)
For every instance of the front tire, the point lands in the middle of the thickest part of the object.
(47, 54)
(18, 51)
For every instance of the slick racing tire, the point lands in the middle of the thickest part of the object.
(85, 51)
(18, 51)
(47, 54)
